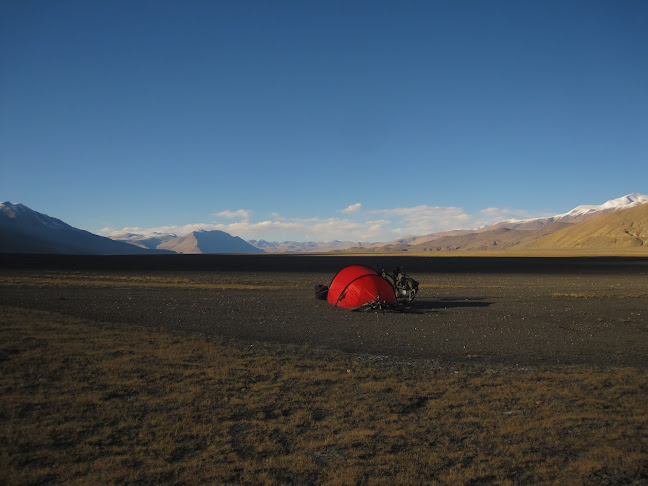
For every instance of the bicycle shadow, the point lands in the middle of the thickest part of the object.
(422, 306)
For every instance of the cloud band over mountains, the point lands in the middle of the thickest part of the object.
(356, 224)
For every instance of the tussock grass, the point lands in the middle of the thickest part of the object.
(507, 252)
(540, 252)
(581, 295)
(86, 403)
(58, 279)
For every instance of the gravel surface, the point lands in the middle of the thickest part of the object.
(480, 311)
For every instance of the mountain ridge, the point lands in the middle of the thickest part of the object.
(509, 234)
(196, 242)
(626, 228)
(214, 241)
(23, 230)
(618, 223)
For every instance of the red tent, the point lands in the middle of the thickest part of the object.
(356, 285)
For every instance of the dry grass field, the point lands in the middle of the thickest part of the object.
(89, 403)
(234, 374)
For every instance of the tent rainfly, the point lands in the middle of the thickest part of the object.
(357, 285)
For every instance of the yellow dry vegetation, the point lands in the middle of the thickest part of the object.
(517, 251)
(627, 229)
(85, 403)
(133, 281)
(600, 295)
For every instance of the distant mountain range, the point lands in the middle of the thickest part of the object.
(196, 242)
(618, 223)
(302, 246)
(23, 230)
(534, 233)
(627, 228)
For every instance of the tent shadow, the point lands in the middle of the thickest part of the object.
(429, 305)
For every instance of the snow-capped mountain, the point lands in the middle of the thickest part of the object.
(581, 213)
(511, 233)
(625, 202)
(625, 228)
(23, 230)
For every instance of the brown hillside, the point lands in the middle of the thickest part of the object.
(186, 244)
(498, 237)
(214, 241)
(627, 228)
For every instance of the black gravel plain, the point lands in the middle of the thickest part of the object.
(493, 311)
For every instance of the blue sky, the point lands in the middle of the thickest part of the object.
(360, 120)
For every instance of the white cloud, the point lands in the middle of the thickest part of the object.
(352, 209)
(180, 230)
(282, 229)
(504, 213)
(490, 216)
(239, 214)
(421, 220)
(390, 224)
